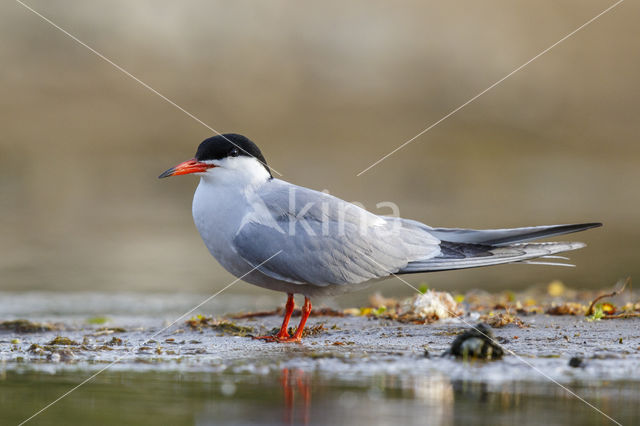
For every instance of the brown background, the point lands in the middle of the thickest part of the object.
(325, 90)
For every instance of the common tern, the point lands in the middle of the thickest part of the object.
(292, 239)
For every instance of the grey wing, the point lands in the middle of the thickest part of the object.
(323, 240)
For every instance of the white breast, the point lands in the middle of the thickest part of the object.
(221, 203)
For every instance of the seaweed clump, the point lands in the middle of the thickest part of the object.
(35, 349)
(60, 340)
(200, 322)
(502, 319)
(567, 308)
(310, 331)
(476, 343)
(26, 326)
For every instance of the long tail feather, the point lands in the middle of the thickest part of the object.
(534, 262)
(500, 237)
(462, 256)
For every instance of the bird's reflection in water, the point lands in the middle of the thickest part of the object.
(296, 387)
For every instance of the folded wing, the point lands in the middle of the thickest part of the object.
(325, 240)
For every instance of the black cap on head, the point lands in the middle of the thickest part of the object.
(229, 145)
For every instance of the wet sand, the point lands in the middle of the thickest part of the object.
(343, 351)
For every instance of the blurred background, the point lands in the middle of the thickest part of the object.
(325, 89)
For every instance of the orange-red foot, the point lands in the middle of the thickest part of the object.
(288, 339)
(266, 338)
(283, 335)
(271, 338)
(278, 338)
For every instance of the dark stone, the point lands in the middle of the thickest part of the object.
(576, 362)
(476, 343)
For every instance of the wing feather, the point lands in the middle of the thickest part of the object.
(325, 240)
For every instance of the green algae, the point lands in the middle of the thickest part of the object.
(60, 340)
(26, 326)
(97, 320)
(224, 327)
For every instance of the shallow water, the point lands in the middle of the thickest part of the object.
(295, 396)
(355, 370)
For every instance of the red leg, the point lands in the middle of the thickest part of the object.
(283, 333)
(306, 310)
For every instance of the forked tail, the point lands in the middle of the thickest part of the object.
(470, 248)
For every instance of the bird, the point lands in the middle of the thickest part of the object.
(296, 240)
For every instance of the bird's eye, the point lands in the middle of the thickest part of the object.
(234, 152)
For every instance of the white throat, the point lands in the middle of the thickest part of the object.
(222, 199)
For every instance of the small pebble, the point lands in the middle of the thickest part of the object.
(576, 362)
(477, 342)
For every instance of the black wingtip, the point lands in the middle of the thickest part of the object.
(546, 231)
(590, 225)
